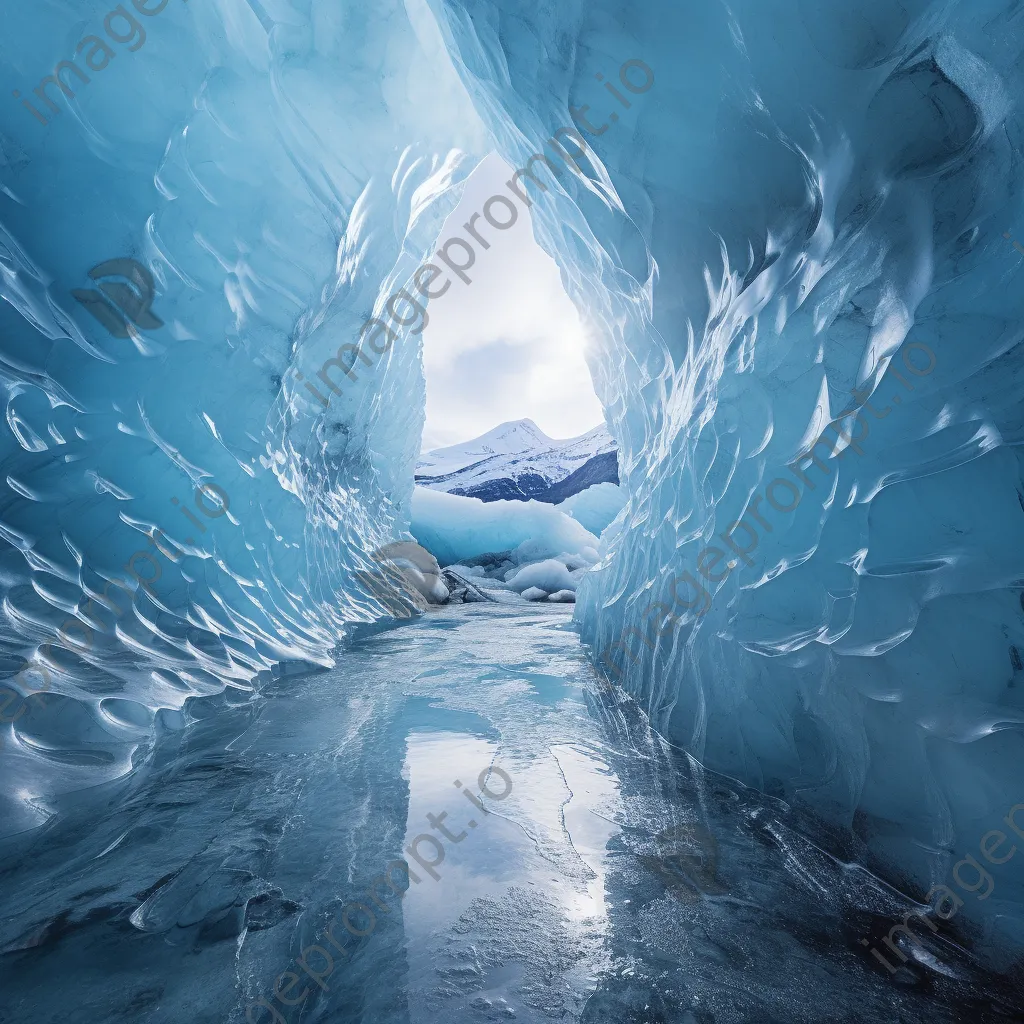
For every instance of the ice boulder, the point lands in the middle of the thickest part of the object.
(469, 570)
(534, 594)
(420, 574)
(563, 597)
(456, 528)
(538, 550)
(550, 575)
(595, 507)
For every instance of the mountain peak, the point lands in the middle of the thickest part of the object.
(517, 459)
(514, 427)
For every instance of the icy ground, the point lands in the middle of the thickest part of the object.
(616, 882)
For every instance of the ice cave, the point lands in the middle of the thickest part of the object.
(709, 715)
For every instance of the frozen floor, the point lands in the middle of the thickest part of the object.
(613, 882)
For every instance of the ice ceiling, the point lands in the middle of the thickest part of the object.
(757, 242)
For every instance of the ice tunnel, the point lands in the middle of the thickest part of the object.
(791, 230)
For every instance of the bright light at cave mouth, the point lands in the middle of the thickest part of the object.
(510, 345)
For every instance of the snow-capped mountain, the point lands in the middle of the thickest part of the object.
(518, 461)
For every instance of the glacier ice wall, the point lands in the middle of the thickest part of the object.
(804, 201)
(180, 510)
(803, 229)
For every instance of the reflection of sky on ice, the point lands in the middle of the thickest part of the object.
(483, 862)
(616, 884)
(558, 802)
(509, 345)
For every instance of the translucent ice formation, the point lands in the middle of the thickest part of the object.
(794, 237)
(595, 507)
(798, 223)
(199, 208)
(453, 528)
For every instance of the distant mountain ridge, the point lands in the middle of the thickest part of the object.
(517, 461)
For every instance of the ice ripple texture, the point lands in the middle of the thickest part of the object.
(275, 177)
(803, 194)
(828, 197)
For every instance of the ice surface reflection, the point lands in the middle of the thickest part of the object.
(616, 881)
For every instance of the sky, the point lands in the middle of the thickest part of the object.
(509, 345)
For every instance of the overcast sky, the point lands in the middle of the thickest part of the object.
(509, 345)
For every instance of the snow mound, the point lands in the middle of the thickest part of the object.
(455, 528)
(550, 575)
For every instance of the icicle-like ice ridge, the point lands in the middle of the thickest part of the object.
(805, 202)
(250, 183)
(828, 198)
